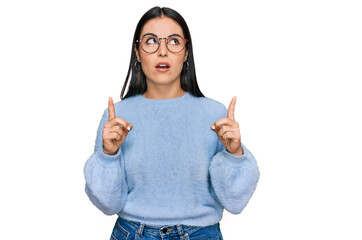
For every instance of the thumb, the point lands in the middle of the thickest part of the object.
(129, 127)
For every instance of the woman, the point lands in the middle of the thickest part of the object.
(168, 160)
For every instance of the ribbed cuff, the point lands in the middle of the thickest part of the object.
(233, 160)
(109, 160)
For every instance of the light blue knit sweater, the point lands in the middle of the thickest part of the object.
(172, 168)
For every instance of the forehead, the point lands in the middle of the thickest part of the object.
(162, 27)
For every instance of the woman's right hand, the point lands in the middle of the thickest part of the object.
(115, 130)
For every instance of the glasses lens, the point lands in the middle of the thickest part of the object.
(175, 44)
(149, 43)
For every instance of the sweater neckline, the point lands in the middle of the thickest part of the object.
(167, 100)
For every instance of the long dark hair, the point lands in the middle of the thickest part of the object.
(138, 84)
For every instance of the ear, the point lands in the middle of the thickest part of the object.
(186, 55)
(137, 53)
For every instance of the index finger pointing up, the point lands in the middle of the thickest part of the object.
(111, 111)
(231, 108)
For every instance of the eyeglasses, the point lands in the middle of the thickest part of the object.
(150, 43)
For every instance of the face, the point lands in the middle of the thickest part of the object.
(162, 27)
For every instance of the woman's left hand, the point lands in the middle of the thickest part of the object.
(227, 130)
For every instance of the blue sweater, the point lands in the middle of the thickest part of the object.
(172, 168)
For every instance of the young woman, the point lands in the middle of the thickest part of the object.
(168, 160)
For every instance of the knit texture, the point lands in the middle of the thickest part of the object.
(172, 168)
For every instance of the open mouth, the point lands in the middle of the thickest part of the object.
(163, 65)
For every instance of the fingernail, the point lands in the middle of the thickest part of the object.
(128, 128)
(213, 126)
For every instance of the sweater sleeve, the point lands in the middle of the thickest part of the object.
(234, 178)
(106, 184)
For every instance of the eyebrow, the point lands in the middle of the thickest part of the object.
(175, 34)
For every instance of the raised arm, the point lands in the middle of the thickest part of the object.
(104, 171)
(233, 170)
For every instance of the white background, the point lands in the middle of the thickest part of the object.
(295, 67)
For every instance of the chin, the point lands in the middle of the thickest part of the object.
(163, 80)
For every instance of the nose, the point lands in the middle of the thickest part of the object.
(162, 51)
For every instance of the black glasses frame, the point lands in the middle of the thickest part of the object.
(159, 42)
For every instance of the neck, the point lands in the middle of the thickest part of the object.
(163, 94)
(160, 91)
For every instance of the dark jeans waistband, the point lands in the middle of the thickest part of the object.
(170, 230)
